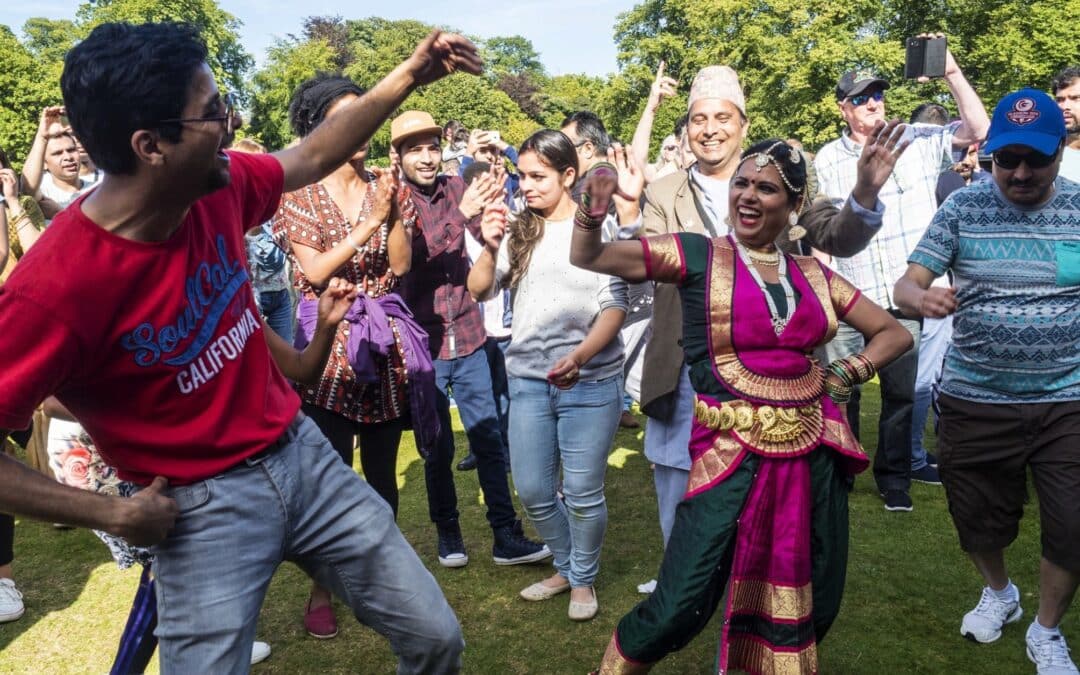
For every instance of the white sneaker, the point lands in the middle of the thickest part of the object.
(647, 587)
(260, 651)
(11, 604)
(983, 624)
(1050, 655)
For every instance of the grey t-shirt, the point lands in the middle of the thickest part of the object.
(555, 305)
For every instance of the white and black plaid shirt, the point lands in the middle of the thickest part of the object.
(908, 196)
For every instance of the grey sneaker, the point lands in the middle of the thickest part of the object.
(983, 624)
(1050, 655)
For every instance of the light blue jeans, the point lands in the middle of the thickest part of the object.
(576, 426)
(935, 340)
(298, 503)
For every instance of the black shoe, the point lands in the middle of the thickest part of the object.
(451, 545)
(897, 500)
(931, 459)
(467, 463)
(513, 548)
(927, 474)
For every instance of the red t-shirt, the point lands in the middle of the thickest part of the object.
(156, 348)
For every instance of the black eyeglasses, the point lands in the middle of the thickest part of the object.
(581, 143)
(1035, 160)
(229, 118)
(861, 99)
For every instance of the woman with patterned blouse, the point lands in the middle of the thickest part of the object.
(764, 517)
(351, 225)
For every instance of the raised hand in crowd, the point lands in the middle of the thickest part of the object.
(34, 166)
(886, 143)
(662, 87)
(493, 225)
(383, 205)
(442, 54)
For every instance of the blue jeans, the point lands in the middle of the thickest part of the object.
(276, 307)
(298, 503)
(469, 379)
(577, 427)
(935, 339)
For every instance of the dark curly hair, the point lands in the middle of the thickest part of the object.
(314, 97)
(125, 77)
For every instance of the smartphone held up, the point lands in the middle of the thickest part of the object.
(925, 57)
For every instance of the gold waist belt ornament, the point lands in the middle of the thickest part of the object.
(771, 429)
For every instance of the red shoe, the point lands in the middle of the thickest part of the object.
(320, 622)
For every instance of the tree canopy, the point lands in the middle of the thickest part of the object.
(788, 53)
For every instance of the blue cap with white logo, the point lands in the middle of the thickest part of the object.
(1028, 117)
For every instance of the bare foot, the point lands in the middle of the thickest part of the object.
(555, 581)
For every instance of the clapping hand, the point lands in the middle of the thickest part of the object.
(9, 187)
(335, 302)
(485, 189)
(441, 54)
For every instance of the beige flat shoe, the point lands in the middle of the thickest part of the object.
(539, 591)
(583, 611)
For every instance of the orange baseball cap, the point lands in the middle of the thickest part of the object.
(412, 123)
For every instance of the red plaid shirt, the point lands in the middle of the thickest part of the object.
(435, 287)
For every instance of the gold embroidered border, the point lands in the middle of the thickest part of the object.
(615, 664)
(721, 294)
(756, 657)
(788, 603)
(804, 388)
(714, 462)
(842, 292)
(815, 276)
(838, 433)
(665, 259)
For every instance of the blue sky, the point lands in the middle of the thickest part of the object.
(572, 36)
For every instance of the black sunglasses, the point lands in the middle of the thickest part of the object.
(861, 99)
(229, 118)
(1035, 160)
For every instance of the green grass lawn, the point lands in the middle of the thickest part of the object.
(908, 585)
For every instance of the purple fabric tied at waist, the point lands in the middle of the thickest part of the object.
(371, 335)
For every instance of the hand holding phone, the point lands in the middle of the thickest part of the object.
(925, 57)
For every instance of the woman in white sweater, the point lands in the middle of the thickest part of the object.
(564, 361)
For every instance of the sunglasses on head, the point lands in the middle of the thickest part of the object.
(861, 99)
(1035, 160)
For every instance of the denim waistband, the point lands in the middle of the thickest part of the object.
(277, 444)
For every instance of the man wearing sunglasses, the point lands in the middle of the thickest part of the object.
(1010, 383)
(909, 199)
(135, 310)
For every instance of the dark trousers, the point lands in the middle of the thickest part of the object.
(7, 522)
(495, 349)
(468, 379)
(892, 461)
(378, 448)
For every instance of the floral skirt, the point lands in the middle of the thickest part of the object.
(76, 462)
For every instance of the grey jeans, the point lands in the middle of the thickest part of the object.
(298, 503)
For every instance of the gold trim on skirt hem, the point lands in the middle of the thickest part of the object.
(615, 664)
(784, 603)
(756, 657)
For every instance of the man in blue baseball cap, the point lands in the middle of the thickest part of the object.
(1010, 384)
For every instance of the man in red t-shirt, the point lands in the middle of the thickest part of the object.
(135, 310)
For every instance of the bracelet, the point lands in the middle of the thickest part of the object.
(583, 221)
(839, 393)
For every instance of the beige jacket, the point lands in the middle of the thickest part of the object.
(673, 205)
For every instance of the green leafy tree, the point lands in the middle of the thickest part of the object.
(288, 63)
(220, 30)
(512, 55)
(25, 88)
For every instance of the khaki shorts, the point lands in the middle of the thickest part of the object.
(984, 451)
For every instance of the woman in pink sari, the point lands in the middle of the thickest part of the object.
(765, 511)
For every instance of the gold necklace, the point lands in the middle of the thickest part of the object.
(769, 259)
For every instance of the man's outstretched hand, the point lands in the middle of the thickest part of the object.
(442, 54)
